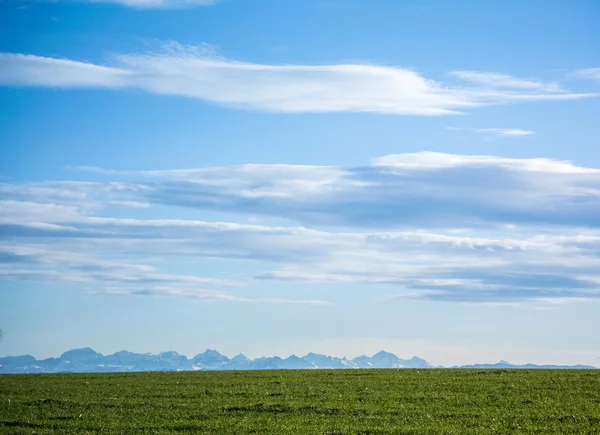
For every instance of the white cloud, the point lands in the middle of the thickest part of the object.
(422, 265)
(437, 161)
(198, 73)
(152, 4)
(205, 295)
(496, 80)
(505, 131)
(48, 213)
(426, 190)
(27, 70)
(443, 227)
(588, 73)
(43, 262)
(497, 132)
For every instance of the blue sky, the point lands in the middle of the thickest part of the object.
(282, 177)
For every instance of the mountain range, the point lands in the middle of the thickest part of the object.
(89, 361)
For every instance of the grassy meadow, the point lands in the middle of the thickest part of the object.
(405, 401)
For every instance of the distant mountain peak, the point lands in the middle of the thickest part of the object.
(209, 359)
(210, 352)
(82, 351)
(86, 352)
(168, 353)
(88, 360)
(384, 354)
(240, 357)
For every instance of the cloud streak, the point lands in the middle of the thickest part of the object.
(422, 265)
(588, 73)
(432, 226)
(496, 80)
(151, 4)
(496, 132)
(416, 190)
(43, 262)
(197, 73)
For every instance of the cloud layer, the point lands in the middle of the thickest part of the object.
(496, 80)
(197, 73)
(421, 265)
(41, 256)
(476, 229)
(496, 132)
(588, 73)
(151, 4)
(417, 190)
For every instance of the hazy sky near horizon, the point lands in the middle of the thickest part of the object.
(277, 177)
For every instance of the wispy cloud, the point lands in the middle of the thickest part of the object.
(529, 229)
(45, 262)
(186, 71)
(151, 4)
(496, 132)
(496, 80)
(588, 73)
(424, 265)
(426, 189)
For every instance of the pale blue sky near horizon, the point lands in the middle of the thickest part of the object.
(131, 219)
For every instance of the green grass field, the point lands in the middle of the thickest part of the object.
(305, 402)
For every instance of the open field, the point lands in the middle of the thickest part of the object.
(401, 401)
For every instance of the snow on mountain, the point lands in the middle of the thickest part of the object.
(85, 355)
(209, 360)
(294, 362)
(88, 360)
(327, 362)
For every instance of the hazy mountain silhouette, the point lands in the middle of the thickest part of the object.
(87, 360)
